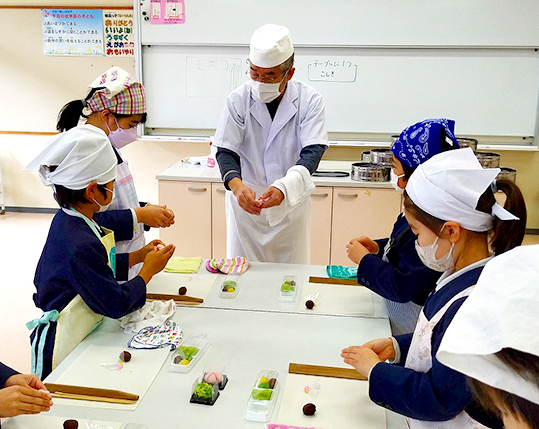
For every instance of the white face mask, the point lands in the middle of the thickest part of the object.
(427, 254)
(395, 181)
(106, 206)
(120, 137)
(267, 92)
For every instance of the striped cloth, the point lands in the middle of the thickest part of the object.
(402, 316)
(236, 265)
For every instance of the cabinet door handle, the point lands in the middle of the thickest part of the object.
(221, 190)
(320, 195)
(347, 195)
(197, 189)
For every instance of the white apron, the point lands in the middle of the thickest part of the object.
(402, 315)
(420, 359)
(75, 321)
(252, 237)
(125, 197)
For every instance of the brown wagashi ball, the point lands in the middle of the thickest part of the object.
(309, 409)
(309, 304)
(272, 382)
(177, 360)
(71, 424)
(182, 290)
(125, 356)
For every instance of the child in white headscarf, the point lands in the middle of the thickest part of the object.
(450, 206)
(115, 104)
(77, 274)
(493, 338)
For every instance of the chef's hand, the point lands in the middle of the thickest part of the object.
(24, 394)
(139, 255)
(272, 197)
(245, 196)
(356, 251)
(371, 245)
(155, 216)
(155, 261)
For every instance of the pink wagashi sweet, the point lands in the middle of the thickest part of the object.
(213, 377)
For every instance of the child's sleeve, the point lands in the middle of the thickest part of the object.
(5, 373)
(120, 221)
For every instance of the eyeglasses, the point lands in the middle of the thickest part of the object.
(254, 75)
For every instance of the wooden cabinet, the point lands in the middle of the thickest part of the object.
(337, 215)
(321, 204)
(361, 211)
(191, 203)
(218, 220)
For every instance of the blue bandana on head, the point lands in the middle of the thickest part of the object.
(421, 141)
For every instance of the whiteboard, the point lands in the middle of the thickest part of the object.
(354, 22)
(487, 92)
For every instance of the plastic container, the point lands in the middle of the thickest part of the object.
(215, 374)
(263, 397)
(188, 353)
(204, 393)
(230, 286)
(288, 289)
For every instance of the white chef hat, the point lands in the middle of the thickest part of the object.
(81, 155)
(448, 187)
(501, 312)
(270, 46)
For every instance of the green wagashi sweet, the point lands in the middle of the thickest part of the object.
(287, 287)
(261, 395)
(204, 390)
(189, 352)
(263, 383)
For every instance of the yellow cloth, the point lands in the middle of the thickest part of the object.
(183, 265)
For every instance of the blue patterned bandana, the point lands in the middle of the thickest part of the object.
(421, 141)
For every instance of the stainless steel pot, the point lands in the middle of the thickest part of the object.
(382, 157)
(488, 159)
(366, 156)
(368, 172)
(507, 173)
(465, 142)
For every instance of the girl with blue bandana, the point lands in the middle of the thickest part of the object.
(390, 266)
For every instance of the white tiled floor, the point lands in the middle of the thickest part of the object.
(23, 236)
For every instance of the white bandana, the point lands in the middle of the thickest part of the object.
(500, 313)
(82, 155)
(449, 185)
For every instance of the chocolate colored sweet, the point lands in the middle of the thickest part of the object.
(309, 409)
(71, 424)
(182, 290)
(272, 383)
(309, 304)
(125, 356)
(177, 360)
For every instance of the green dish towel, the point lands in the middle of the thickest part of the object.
(341, 272)
(177, 264)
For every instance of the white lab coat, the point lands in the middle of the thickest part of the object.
(267, 149)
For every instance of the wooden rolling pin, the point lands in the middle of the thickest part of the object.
(332, 281)
(91, 394)
(325, 371)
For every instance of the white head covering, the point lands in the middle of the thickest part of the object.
(500, 313)
(449, 185)
(271, 45)
(82, 155)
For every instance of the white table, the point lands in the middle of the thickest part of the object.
(253, 332)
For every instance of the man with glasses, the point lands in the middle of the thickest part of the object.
(270, 138)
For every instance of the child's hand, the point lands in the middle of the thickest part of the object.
(383, 347)
(361, 358)
(356, 251)
(138, 256)
(155, 261)
(24, 394)
(370, 245)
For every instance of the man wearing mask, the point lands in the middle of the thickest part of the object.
(270, 139)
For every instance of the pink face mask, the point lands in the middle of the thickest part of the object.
(121, 137)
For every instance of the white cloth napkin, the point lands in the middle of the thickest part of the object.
(152, 314)
(296, 186)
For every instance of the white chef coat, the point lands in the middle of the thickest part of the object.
(267, 149)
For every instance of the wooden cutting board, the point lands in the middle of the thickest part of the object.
(198, 285)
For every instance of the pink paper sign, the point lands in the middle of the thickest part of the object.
(167, 11)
